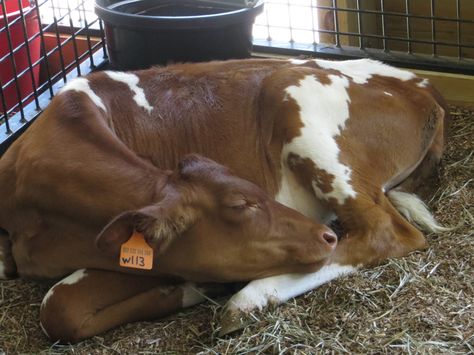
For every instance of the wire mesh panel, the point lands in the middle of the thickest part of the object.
(436, 34)
(43, 43)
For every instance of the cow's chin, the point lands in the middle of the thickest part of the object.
(313, 267)
(306, 268)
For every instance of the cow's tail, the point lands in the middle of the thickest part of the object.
(415, 211)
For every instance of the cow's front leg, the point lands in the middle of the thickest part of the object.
(275, 290)
(89, 302)
(373, 233)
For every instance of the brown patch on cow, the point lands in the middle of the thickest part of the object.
(324, 78)
(430, 126)
(280, 109)
(306, 172)
(324, 73)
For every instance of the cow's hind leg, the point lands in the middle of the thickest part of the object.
(90, 302)
(428, 165)
(374, 231)
(402, 195)
(7, 263)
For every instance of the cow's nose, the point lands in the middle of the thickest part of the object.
(328, 237)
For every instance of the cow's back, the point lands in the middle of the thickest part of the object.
(214, 109)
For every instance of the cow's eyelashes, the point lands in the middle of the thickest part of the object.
(238, 204)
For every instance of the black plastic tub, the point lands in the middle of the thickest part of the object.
(141, 33)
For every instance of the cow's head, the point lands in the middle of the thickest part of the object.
(213, 226)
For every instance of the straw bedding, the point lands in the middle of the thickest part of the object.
(419, 303)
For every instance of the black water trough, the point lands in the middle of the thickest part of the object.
(141, 33)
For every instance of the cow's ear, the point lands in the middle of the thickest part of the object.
(160, 224)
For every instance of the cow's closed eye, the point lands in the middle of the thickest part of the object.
(238, 201)
(237, 204)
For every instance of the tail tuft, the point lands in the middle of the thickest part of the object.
(415, 211)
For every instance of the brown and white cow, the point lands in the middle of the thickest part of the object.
(329, 139)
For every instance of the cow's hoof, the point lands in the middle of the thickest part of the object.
(232, 321)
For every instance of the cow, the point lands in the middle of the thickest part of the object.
(345, 140)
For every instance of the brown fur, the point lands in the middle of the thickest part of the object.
(78, 171)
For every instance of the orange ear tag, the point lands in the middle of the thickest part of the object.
(136, 253)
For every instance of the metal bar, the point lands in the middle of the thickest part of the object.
(88, 37)
(384, 37)
(359, 25)
(104, 50)
(28, 54)
(312, 23)
(433, 28)
(59, 45)
(12, 60)
(289, 21)
(458, 27)
(269, 37)
(336, 23)
(74, 44)
(4, 114)
(407, 7)
(43, 49)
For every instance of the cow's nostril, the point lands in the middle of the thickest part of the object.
(331, 239)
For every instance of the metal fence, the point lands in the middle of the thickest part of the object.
(431, 34)
(43, 43)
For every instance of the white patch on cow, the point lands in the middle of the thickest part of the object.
(293, 195)
(387, 93)
(132, 81)
(277, 289)
(324, 110)
(298, 61)
(75, 277)
(3, 274)
(191, 295)
(361, 70)
(424, 83)
(82, 85)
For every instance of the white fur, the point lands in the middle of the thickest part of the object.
(415, 210)
(82, 85)
(278, 289)
(293, 195)
(361, 70)
(387, 93)
(324, 110)
(2, 267)
(424, 83)
(298, 61)
(132, 81)
(75, 277)
(191, 294)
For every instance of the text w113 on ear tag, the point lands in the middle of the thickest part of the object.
(136, 253)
